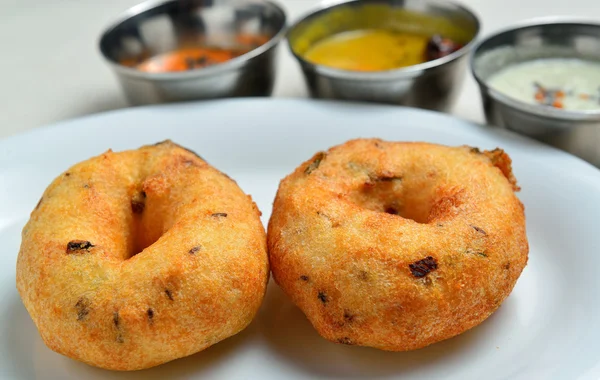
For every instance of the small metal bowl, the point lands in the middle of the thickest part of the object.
(156, 27)
(577, 132)
(433, 84)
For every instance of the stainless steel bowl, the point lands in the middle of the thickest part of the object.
(432, 85)
(577, 132)
(156, 27)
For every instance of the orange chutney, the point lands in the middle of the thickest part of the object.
(194, 57)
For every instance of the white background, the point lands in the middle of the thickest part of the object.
(51, 69)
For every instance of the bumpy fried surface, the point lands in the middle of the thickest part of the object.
(199, 277)
(398, 245)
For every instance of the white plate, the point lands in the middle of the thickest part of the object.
(546, 329)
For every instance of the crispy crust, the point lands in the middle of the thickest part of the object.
(364, 276)
(199, 279)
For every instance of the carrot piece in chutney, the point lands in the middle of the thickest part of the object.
(539, 96)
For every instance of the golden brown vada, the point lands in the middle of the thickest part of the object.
(398, 245)
(136, 258)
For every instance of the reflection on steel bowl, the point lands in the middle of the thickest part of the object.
(170, 50)
(408, 52)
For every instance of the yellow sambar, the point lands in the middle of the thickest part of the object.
(369, 50)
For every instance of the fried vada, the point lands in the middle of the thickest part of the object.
(398, 245)
(136, 258)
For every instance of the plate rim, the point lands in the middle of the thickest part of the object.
(57, 126)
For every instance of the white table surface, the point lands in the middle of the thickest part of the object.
(51, 68)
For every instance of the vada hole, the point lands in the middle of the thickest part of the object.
(145, 228)
(406, 199)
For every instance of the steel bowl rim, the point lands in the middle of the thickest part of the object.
(534, 109)
(219, 68)
(402, 72)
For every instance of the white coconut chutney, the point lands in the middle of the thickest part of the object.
(570, 84)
